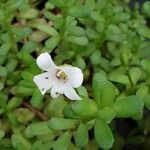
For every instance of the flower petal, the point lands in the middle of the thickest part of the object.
(56, 91)
(70, 92)
(74, 74)
(44, 82)
(45, 62)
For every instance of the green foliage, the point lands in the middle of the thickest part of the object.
(107, 40)
(103, 134)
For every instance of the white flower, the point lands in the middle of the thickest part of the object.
(58, 79)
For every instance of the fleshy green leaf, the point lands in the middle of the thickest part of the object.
(52, 42)
(77, 40)
(147, 101)
(146, 65)
(4, 49)
(84, 108)
(14, 102)
(120, 78)
(124, 107)
(106, 114)
(144, 31)
(80, 11)
(37, 99)
(2, 134)
(62, 142)
(23, 115)
(12, 5)
(81, 136)
(62, 124)
(20, 143)
(95, 57)
(121, 17)
(103, 134)
(75, 30)
(36, 129)
(146, 7)
(42, 26)
(135, 74)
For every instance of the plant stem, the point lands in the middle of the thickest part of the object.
(35, 111)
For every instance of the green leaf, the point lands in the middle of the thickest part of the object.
(3, 71)
(59, 3)
(57, 123)
(80, 11)
(2, 85)
(4, 48)
(26, 58)
(23, 91)
(2, 134)
(11, 65)
(146, 8)
(82, 91)
(37, 99)
(77, 40)
(42, 26)
(52, 42)
(26, 75)
(68, 112)
(142, 91)
(147, 101)
(125, 56)
(2, 16)
(23, 115)
(30, 13)
(105, 64)
(91, 33)
(80, 62)
(144, 31)
(97, 16)
(103, 134)
(106, 114)
(26, 84)
(124, 107)
(95, 57)
(29, 46)
(85, 108)
(12, 118)
(143, 50)
(6, 143)
(119, 78)
(3, 100)
(100, 27)
(99, 79)
(37, 129)
(146, 65)
(62, 142)
(114, 33)
(81, 136)
(121, 17)
(14, 102)
(55, 107)
(20, 143)
(135, 74)
(12, 5)
(76, 30)
(107, 99)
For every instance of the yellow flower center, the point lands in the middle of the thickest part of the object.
(60, 74)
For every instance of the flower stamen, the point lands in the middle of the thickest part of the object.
(60, 74)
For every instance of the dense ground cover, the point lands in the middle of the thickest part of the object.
(109, 40)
